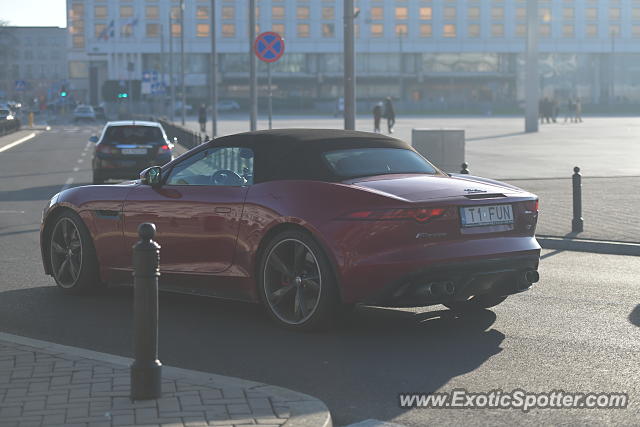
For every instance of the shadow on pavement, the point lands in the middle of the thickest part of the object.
(33, 193)
(504, 135)
(634, 316)
(357, 369)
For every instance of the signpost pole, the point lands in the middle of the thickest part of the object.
(532, 84)
(214, 73)
(253, 78)
(349, 67)
(184, 89)
(270, 93)
(172, 107)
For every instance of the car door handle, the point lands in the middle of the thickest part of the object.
(222, 210)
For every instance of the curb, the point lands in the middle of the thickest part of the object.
(305, 410)
(586, 245)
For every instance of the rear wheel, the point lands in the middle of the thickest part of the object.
(477, 302)
(296, 283)
(73, 260)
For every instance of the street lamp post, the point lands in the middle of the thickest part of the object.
(349, 67)
(532, 80)
(184, 89)
(253, 77)
(214, 73)
(172, 107)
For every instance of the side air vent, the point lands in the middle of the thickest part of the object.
(484, 196)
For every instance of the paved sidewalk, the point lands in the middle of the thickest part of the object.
(45, 384)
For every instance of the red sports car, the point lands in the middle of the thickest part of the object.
(306, 222)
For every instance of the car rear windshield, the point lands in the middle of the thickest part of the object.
(133, 134)
(359, 162)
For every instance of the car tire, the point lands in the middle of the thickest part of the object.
(97, 178)
(72, 256)
(478, 302)
(296, 283)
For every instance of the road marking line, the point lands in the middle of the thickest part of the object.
(20, 141)
(80, 160)
(84, 153)
(11, 212)
(67, 183)
(76, 169)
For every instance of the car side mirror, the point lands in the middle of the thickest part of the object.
(151, 176)
(93, 138)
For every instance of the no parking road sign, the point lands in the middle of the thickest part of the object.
(269, 46)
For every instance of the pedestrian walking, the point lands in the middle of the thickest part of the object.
(578, 111)
(202, 117)
(389, 114)
(377, 115)
(569, 113)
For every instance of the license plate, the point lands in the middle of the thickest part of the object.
(478, 216)
(134, 151)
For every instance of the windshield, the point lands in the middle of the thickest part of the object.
(133, 134)
(376, 161)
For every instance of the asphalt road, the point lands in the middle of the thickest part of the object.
(577, 330)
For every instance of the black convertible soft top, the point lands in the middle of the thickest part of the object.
(297, 153)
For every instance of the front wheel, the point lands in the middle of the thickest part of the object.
(73, 261)
(478, 302)
(296, 283)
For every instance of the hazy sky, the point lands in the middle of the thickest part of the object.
(34, 13)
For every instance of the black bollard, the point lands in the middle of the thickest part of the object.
(146, 370)
(465, 168)
(577, 224)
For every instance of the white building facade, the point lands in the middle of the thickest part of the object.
(426, 52)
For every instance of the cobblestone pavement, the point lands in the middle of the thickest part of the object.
(53, 385)
(608, 207)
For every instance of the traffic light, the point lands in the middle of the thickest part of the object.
(63, 91)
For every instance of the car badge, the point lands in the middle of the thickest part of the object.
(474, 190)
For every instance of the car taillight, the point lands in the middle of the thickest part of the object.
(417, 214)
(532, 205)
(106, 149)
(164, 148)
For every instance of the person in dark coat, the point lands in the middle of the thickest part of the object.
(377, 115)
(202, 117)
(389, 114)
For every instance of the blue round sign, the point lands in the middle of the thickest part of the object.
(269, 46)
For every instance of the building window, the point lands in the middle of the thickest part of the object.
(126, 11)
(614, 30)
(521, 13)
(521, 30)
(545, 30)
(278, 28)
(175, 30)
(228, 30)
(202, 30)
(77, 11)
(449, 13)
(277, 12)
(402, 30)
(302, 12)
(78, 41)
(202, 12)
(449, 30)
(100, 12)
(473, 30)
(175, 12)
(377, 30)
(402, 13)
(614, 13)
(545, 14)
(77, 27)
(303, 30)
(473, 13)
(635, 31)
(568, 13)
(497, 13)
(567, 30)
(153, 30)
(152, 12)
(228, 12)
(426, 13)
(126, 31)
(426, 30)
(328, 13)
(328, 30)
(99, 28)
(497, 30)
(592, 30)
(591, 13)
(377, 13)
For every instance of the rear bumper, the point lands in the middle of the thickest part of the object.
(458, 281)
(125, 168)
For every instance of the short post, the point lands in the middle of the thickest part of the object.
(146, 370)
(577, 224)
(465, 168)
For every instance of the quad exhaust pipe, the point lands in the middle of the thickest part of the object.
(437, 289)
(531, 276)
